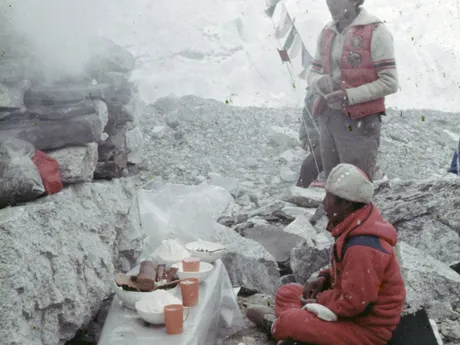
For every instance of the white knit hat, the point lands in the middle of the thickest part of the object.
(350, 183)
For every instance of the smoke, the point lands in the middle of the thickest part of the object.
(59, 30)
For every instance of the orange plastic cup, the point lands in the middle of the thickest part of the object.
(174, 318)
(191, 265)
(189, 291)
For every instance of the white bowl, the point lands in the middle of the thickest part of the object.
(149, 316)
(150, 308)
(129, 298)
(205, 271)
(215, 250)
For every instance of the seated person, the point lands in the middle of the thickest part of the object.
(363, 286)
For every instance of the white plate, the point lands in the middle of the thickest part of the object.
(204, 247)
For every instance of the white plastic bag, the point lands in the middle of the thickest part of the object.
(185, 213)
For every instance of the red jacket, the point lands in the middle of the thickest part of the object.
(365, 277)
(357, 67)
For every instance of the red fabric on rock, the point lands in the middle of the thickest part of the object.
(49, 172)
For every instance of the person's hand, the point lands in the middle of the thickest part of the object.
(325, 84)
(304, 301)
(335, 97)
(313, 288)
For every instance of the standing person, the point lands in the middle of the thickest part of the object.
(455, 162)
(363, 288)
(353, 70)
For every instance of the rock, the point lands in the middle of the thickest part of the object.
(119, 115)
(102, 111)
(276, 241)
(303, 202)
(301, 227)
(267, 210)
(296, 212)
(251, 163)
(77, 163)
(62, 94)
(311, 196)
(283, 137)
(424, 214)
(135, 146)
(50, 135)
(275, 180)
(287, 175)
(232, 185)
(247, 262)
(60, 112)
(20, 180)
(439, 311)
(451, 330)
(287, 157)
(108, 170)
(12, 95)
(114, 145)
(309, 258)
(172, 119)
(426, 278)
(244, 201)
(158, 132)
(58, 256)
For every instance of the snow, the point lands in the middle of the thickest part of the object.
(225, 50)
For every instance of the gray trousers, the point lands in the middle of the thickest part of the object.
(344, 140)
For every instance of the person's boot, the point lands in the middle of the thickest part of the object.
(262, 316)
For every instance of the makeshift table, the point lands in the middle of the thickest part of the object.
(217, 316)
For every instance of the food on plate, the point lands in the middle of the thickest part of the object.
(151, 277)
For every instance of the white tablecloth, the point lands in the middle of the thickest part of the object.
(217, 316)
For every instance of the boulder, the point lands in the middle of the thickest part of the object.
(287, 175)
(20, 179)
(425, 214)
(451, 331)
(301, 227)
(426, 278)
(295, 211)
(77, 163)
(276, 241)
(62, 94)
(102, 111)
(158, 132)
(120, 114)
(232, 185)
(310, 257)
(248, 263)
(61, 112)
(57, 259)
(306, 196)
(51, 135)
(283, 137)
(135, 145)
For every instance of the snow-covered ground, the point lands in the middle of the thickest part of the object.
(225, 48)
